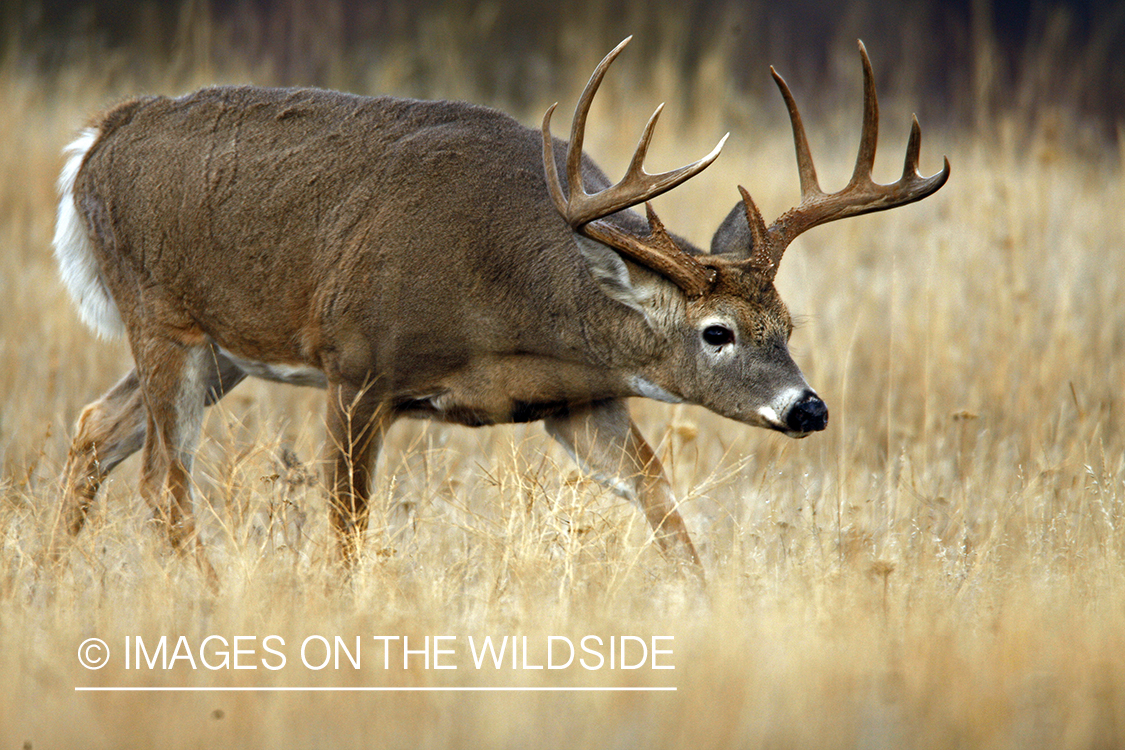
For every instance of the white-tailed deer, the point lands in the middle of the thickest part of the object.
(419, 259)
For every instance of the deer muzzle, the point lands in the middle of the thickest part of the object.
(807, 414)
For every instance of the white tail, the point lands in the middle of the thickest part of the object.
(74, 251)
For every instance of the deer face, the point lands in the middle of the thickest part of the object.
(727, 349)
(734, 356)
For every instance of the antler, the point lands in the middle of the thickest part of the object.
(583, 211)
(861, 195)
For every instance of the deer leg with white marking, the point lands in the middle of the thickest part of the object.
(603, 439)
(173, 382)
(357, 420)
(113, 428)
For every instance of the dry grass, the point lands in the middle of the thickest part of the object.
(945, 566)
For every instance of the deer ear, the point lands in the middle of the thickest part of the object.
(733, 235)
(612, 275)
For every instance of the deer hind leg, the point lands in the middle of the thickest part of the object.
(603, 439)
(113, 428)
(173, 381)
(357, 421)
(108, 431)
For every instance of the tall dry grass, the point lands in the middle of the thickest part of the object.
(944, 566)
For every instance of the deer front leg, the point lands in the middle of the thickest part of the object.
(603, 439)
(113, 428)
(357, 421)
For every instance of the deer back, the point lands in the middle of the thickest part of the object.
(348, 233)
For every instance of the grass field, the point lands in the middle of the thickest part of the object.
(943, 567)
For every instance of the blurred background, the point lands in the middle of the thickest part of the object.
(969, 59)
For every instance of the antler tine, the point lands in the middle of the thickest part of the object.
(869, 133)
(578, 123)
(862, 194)
(652, 185)
(636, 170)
(910, 165)
(760, 257)
(913, 149)
(805, 168)
(549, 168)
(577, 134)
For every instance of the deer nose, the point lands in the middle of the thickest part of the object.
(809, 414)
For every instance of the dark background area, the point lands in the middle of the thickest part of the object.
(969, 58)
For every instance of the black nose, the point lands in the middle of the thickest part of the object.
(807, 415)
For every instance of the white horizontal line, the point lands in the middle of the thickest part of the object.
(368, 689)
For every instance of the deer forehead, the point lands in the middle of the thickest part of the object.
(745, 298)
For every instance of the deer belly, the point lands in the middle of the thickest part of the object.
(445, 407)
(280, 372)
(500, 390)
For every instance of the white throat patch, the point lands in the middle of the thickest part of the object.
(649, 389)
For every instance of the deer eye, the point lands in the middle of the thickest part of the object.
(718, 335)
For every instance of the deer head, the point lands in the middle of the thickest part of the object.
(727, 326)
